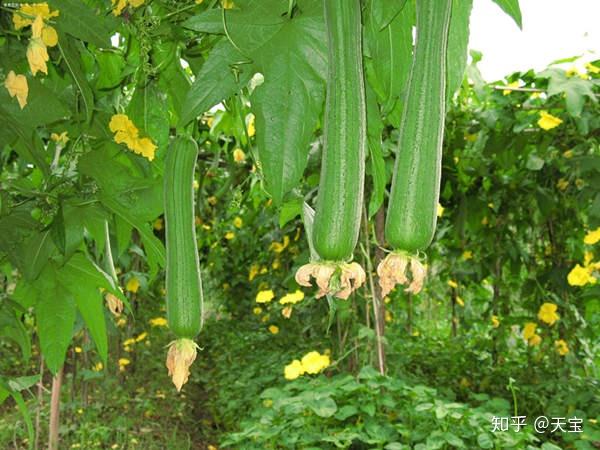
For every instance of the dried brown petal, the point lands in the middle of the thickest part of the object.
(180, 357)
(418, 272)
(114, 304)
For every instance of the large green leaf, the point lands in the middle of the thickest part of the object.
(291, 55)
(222, 75)
(81, 21)
(377, 166)
(511, 7)
(38, 250)
(72, 60)
(55, 317)
(149, 110)
(84, 280)
(155, 250)
(388, 52)
(574, 89)
(458, 43)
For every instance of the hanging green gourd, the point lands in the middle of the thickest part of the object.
(339, 202)
(412, 209)
(183, 282)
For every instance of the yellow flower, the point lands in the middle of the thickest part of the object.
(460, 301)
(278, 247)
(276, 264)
(158, 322)
(529, 330)
(453, 284)
(123, 362)
(495, 321)
(548, 121)
(227, 4)
(293, 370)
(440, 210)
(229, 235)
(265, 318)
(514, 84)
(136, 3)
(49, 36)
(568, 154)
(127, 133)
(239, 156)
(78, 350)
(158, 224)
(592, 237)
(591, 68)
(562, 184)
(535, 95)
(128, 342)
(292, 298)
(254, 268)
(580, 276)
(37, 56)
(274, 329)
(265, 296)
(467, 254)
(238, 222)
(27, 13)
(257, 310)
(212, 200)
(61, 138)
(536, 339)
(16, 85)
(313, 362)
(561, 347)
(388, 317)
(547, 313)
(250, 126)
(141, 337)
(133, 284)
(98, 367)
(287, 312)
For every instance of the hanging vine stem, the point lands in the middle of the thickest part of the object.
(374, 296)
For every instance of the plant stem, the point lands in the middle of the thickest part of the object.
(55, 411)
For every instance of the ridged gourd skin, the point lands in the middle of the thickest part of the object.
(412, 209)
(183, 281)
(339, 201)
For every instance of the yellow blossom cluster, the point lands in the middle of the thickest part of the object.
(581, 275)
(127, 343)
(17, 86)
(311, 363)
(265, 296)
(292, 298)
(158, 322)
(127, 133)
(132, 285)
(548, 314)
(42, 35)
(530, 335)
(561, 347)
(120, 5)
(547, 121)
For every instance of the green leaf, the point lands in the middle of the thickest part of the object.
(155, 250)
(378, 173)
(223, 74)
(55, 317)
(72, 59)
(290, 210)
(81, 21)
(574, 89)
(148, 109)
(511, 7)
(384, 11)
(484, 441)
(458, 42)
(83, 280)
(388, 52)
(110, 69)
(323, 407)
(291, 55)
(5, 391)
(38, 250)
